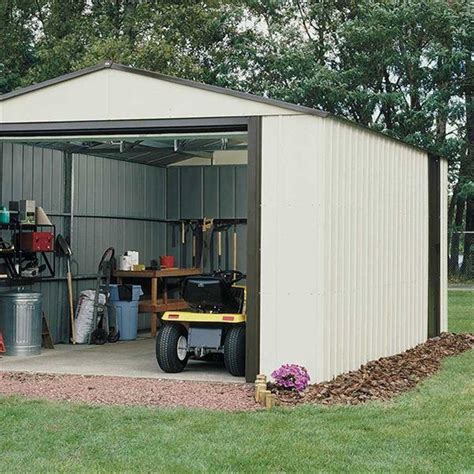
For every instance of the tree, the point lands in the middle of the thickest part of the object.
(404, 68)
(17, 32)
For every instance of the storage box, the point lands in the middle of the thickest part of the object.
(36, 241)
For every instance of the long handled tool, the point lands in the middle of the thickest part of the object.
(67, 252)
(183, 245)
(207, 231)
(235, 247)
(219, 250)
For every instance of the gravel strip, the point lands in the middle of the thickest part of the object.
(384, 378)
(98, 390)
(377, 380)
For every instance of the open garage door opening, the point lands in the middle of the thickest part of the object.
(181, 198)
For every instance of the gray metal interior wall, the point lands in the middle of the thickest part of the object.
(194, 192)
(38, 173)
(117, 204)
(107, 195)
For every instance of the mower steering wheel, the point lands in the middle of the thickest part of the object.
(230, 276)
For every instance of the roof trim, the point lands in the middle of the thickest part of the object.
(222, 90)
(163, 77)
(54, 81)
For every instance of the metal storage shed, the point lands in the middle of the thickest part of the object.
(346, 229)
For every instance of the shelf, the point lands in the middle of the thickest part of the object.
(15, 226)
(146, 306)
(14, 258)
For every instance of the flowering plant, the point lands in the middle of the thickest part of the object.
(291, 377)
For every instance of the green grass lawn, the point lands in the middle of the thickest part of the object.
(428, 429)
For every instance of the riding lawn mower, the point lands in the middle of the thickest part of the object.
(214, 325)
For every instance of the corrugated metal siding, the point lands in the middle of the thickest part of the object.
(344, 246)
(114, 190)
(444, 244)
(36, 173)
(117, 95)
(106, 193)
(291, 245)
(194, 192)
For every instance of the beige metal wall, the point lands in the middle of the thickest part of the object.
(292, 275)
(444, 244)
(110, 94)
(344, 245)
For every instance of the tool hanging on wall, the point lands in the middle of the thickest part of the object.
(235, 247)
(65, 249)
(202, 234)
(183, 245)
(207, 230)
(196, 230)
(219, 250)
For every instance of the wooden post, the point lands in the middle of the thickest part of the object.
(259, 388)
(270, 400)
(154, 301)
(264, 394)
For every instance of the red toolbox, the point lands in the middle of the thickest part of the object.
(36, 241)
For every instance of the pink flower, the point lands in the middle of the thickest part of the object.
(291, 377)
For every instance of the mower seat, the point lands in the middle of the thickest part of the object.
(211, 293)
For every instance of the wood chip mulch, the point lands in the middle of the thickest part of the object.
(384, 378)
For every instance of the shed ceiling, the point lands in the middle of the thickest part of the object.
(150, 150)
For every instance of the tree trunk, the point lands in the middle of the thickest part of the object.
(467, 268)
(455, 237)
(468, 263)
(451, 209)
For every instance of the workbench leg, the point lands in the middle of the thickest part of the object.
(165, 291)
(153, 324)
(154, 300)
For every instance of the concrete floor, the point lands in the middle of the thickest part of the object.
(124, 359)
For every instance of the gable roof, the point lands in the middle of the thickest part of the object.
(163, 77)
(295, 108)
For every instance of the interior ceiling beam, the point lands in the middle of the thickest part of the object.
(155, 151)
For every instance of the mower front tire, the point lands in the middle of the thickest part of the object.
(171, 353)
(234, 351)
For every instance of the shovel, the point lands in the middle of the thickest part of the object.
(67, 252)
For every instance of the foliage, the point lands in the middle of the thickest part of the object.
(291, 377)
(428, 429)
(404, 68)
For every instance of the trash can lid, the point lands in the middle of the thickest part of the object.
(22, 295)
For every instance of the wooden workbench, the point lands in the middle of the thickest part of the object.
(158, 304)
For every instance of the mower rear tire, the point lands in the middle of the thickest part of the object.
(234, 351)
(170, 355)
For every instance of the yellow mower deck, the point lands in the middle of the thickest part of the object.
(188, 317)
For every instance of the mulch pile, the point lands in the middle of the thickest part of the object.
(106, 390)
(384, 378)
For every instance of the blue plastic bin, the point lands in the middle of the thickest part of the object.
(126, 313)
(114, 293)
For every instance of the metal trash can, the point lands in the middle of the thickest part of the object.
(20, 322)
